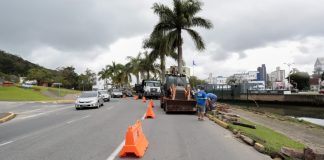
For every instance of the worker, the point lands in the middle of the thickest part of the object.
(211, 101)
(201, 98)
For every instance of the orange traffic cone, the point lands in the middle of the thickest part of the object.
(144, 99)
(135, 97)
(135, 141)
(149, 112)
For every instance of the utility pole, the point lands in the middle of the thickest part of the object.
(289, 64)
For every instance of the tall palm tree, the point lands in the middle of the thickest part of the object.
(134, 65)
(181, 17)
(158, 42)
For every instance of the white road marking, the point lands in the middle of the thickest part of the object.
(30, 111)
(116, 151)
(69, 122)
(2, 144)
(39, 114)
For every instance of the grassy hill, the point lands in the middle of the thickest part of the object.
(15, 93)
(13, 65)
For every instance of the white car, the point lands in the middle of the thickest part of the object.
(105, 95)
(116, 93)
(89, 99)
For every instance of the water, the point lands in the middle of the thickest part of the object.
(313, 120)
(307, 113)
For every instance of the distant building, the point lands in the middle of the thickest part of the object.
(314, 83)
(319, 65)
(262, 75)
(221, 80)
(248, 76)
(278, 75)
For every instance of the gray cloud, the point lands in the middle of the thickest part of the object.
(71, 25)
(246, 24)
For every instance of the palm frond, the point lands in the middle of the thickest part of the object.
(200, 45)
(200, 22)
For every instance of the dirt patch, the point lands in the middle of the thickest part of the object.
(304, 133)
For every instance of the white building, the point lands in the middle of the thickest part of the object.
(248, 76)
(278, 75)
(319, 65)
(220, 80)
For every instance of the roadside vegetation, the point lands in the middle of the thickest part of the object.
(19, 94)
(59, 92)
(37, 93)
(273, 141)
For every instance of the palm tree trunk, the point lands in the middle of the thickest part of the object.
(148, 74)
(137, 78)
(179, 52)
(162, 67)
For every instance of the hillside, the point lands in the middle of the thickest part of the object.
(14, 65)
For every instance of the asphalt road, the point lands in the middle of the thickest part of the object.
(58, 131)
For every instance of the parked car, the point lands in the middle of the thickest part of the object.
(116, 93)
(105, 95)
(128, 93)
(89, 99)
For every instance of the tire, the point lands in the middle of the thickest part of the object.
(77, 108)
(98, 105)
(108, 100)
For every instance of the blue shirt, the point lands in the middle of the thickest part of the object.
(212, 96)
(201, 97)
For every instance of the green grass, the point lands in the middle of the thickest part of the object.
(272, 140)
(58, 92)
(19, 94)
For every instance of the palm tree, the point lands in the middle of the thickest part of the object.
(134, 65)
(181, 17)
(112, 72)
(123, 76)
(160, 49)
(148, 66)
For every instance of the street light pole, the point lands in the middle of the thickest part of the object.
(289, 64)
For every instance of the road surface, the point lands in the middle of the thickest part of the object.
(58, 131)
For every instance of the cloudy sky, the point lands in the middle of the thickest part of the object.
(93, 33)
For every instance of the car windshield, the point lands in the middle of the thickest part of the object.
(103, 92)
(153, 84)
(116, 90)
(88, 94)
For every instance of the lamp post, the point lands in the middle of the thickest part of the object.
(289, 64)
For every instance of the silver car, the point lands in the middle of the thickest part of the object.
(92, 99)
(105, 95)
(116, 93)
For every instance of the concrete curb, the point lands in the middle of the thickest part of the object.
(257, 146)
(8, 117)
(216, 120)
